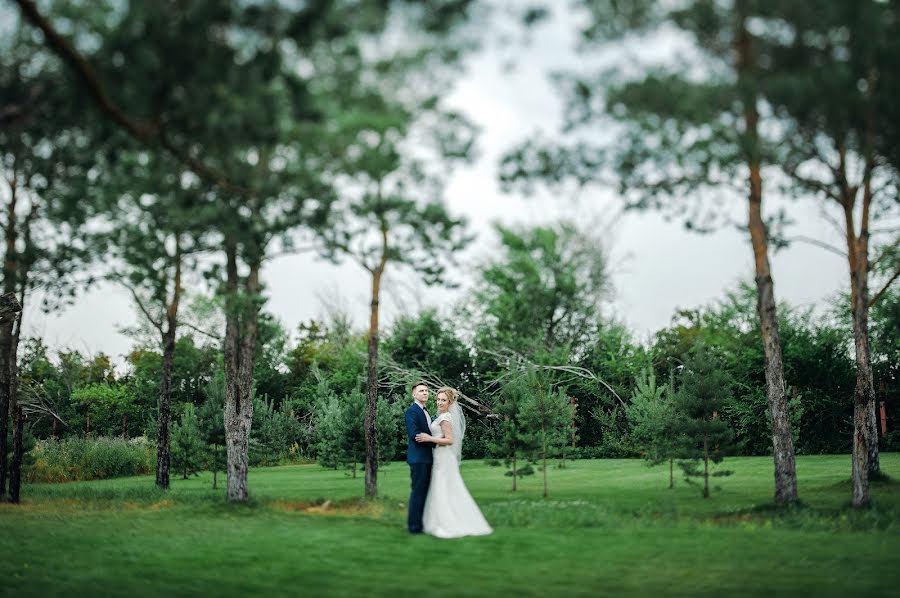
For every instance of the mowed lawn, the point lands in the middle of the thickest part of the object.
(609, 527)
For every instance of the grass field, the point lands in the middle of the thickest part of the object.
(609, 527)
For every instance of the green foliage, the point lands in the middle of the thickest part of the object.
(106, 405)
(72, 459)
(513, 441)
(542, 293)
(651, 414)
(426, 344)
(618, 359)
(211, 421)
(704, 387)
(187, 446)
(546, 414)
(340, 438)
(273, 434)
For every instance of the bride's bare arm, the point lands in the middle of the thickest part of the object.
(445, 441)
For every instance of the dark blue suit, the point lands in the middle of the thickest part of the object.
(419, 457)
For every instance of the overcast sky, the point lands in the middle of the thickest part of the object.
(657, 266)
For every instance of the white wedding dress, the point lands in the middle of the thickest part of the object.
(450, 511)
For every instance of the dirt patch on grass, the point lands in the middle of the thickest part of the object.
(344, 508)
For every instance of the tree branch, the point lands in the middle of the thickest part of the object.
(394, 372)
(569, 369)
(201, 331)
(817, 243)
(65, 50)
(879, 294)
(139, 129)
(156, 324)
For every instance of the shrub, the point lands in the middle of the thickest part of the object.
(73, 459)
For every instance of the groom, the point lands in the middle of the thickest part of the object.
(418, 455)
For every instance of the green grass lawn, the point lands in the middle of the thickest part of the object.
(609, 527)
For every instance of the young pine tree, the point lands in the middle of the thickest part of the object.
(513, 441)
(705, 387)
(212, 429)
(548, 417)
(651, 414)
(187, 443)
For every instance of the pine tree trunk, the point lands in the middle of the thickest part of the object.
(15, 470)
(515, 474)
(371, 465)
(865, 436)
(7, 350)
(124, 426)
(705, 467)
(782, 440)
(871, 417)
(241, 326)
(5, 388)
(163, 456)
(544, 449)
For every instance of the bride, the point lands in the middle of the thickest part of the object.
(450, 511)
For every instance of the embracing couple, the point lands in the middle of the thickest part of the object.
(439, 503)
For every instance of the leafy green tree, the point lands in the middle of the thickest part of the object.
(651, 415)
(106, 406)
(429, 345)
(704, 386)
(254, 116)
(329, 430)
(614, 352)
(543, 292)
(187, 443)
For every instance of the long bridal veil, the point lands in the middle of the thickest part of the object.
(458, 425)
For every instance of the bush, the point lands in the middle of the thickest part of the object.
(74, 459)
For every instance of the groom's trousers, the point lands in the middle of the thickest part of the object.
(420, 474)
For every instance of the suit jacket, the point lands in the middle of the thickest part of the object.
(417, 452)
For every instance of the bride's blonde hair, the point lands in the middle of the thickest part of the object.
(451, 394)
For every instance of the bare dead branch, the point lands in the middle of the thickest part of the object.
(575, 370)
(818, 243)
(875, 298)
(211, 335)
(156, 323)
(394, 372)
